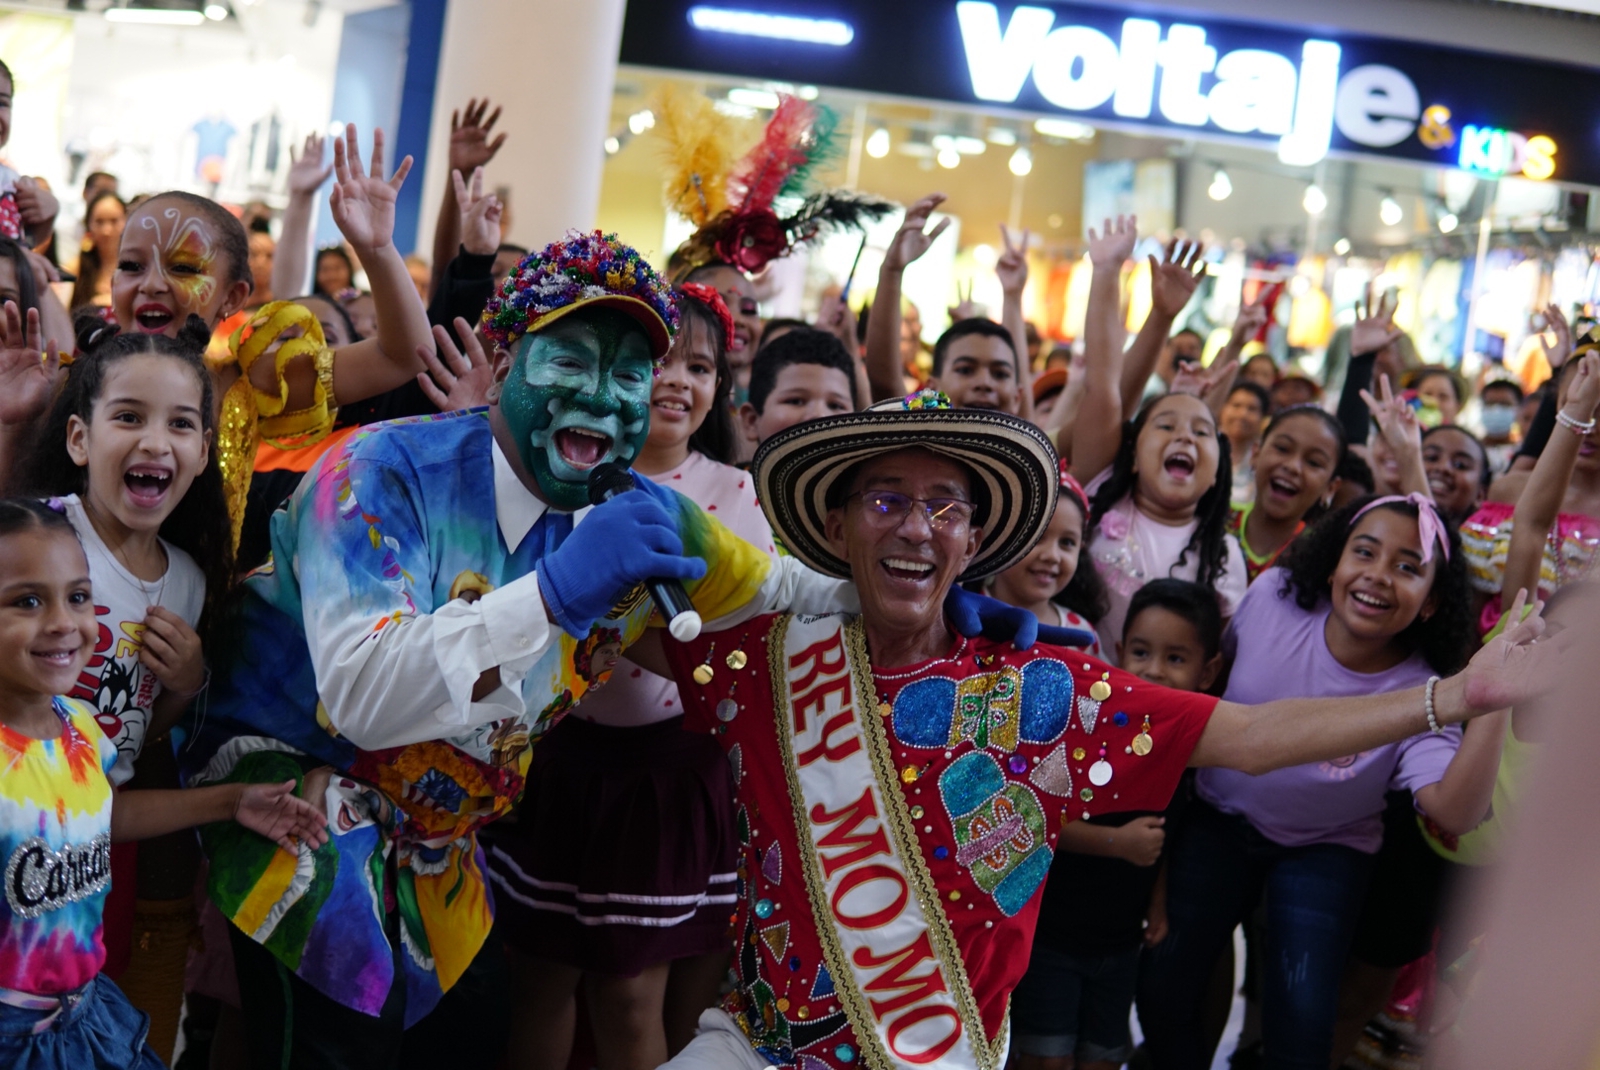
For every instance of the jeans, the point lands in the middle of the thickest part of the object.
(1219, 867)
(95, 1026)
(289, 1024)
(1075, 1005)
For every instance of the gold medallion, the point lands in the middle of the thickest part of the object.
(737, 660)
(884, 709)
(703, 674)
(1099, 690)
(1142, 744)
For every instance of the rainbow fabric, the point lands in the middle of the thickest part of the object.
(404, 818)
(55, 832)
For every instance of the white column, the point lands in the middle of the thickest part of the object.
(551, 65)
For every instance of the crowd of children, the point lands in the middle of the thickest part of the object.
(1218, 530)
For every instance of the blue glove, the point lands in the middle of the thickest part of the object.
(1060, 635)
(625, 541)
(978, 614)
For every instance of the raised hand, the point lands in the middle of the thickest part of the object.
(910, 241)
(1012, 267)
(28, 370)
(1202, 382)
(1174, 277)
(1247, 324)
(1583, 389)
(459, 382)
(1555, 323)
(363, 204)
(1114, 244)
(307, 172)
(470, 147)
(480, 214)
(1374, 327)
(274, 811)
(1397, 422)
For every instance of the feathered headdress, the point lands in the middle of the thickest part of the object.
(744, 230)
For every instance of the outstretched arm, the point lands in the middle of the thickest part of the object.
(1173, 279)
(1097, 431)
(1259, 739)
(883, 327)
(273, 810)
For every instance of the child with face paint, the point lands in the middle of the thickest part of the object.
(1372, 598)
(439, 618)
(1158, 486)
(657, 824)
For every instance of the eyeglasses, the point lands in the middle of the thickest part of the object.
(888, 507)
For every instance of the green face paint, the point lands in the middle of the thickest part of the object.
(578, 395)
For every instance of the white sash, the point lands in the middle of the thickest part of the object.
(885, 938)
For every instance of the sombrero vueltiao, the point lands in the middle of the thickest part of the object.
(1015, 468)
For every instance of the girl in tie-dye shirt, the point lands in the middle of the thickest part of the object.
(57, 817)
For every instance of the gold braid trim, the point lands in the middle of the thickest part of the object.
(251, 416)
(897, 816)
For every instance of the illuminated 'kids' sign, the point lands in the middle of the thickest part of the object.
(1299, 100)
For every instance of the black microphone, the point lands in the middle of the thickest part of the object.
(606, 482)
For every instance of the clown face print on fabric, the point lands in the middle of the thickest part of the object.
(578, 395)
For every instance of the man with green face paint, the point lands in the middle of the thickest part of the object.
(426, 617)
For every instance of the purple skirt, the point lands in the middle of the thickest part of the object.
(623, 852)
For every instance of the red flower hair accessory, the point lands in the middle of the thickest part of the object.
(709, 297)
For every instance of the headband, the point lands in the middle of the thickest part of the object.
(251, 416)
(1429, 525)
(708, 296)
(1073, 487)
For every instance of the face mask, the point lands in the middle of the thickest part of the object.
(578, 394)
(1498, 420)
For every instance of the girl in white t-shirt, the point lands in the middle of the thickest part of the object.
(619, 872)
(1055, 581)
(126, 452)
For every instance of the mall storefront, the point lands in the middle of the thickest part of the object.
(1313, 163)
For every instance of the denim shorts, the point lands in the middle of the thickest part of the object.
(94, 1026)
(1075, 1005)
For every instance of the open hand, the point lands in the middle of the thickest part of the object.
(1140, 840)
(470, 147)
(1114, 244)
(274, 811)
(1374, 327)
(363, 204)
(458, 382)
(172, 651)
(307, 172)
(28, 368)
(910, 241)
(1174, 277)
(1516, 666)
(1012, 268)
(480, 214)
(1557, 351)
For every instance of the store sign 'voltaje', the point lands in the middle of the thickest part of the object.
(1079, 68)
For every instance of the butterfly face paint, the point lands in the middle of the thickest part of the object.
(167, 269)
(578, 395)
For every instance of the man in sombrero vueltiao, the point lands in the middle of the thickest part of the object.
(900, 788)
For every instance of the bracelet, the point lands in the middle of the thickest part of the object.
(185, 696)
(1427, 704)
(1577, 427)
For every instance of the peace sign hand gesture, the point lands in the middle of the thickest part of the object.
(1012, 267)
(1396, 420)
(363, 204)
(28, 371)
(910, 242)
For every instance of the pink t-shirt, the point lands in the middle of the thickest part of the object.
(1129, 550)
(635, 696)
(1281, 651)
